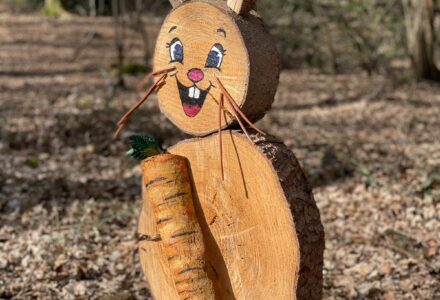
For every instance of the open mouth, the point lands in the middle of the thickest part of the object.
(192, 99)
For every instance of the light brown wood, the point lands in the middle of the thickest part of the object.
(241, 6)
(168, 198)
(249, 68)
(260, 224)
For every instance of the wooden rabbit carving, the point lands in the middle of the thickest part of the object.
(207, 42)
(227, 215)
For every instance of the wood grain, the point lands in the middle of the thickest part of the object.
(261, 224)
(249, 70)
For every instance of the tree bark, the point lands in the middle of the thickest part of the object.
(419, 22)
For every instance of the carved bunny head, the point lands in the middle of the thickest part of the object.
(210, 43)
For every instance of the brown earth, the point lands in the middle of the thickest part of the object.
(69, 198)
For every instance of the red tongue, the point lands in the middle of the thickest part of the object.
(191, 110)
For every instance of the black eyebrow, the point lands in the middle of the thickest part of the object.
(172, 28)
(221, 30)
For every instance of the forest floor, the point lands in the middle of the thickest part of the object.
(69, 197)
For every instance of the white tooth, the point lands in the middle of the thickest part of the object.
(191, 92)
(197, 93)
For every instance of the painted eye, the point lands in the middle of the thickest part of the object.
(176, 50)
(215, 57)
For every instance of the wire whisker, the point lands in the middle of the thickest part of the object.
(147, 78)
(238, 120)
(144, 98)
(233, 103)
(143, 82)
(220, 108)
(155, 87)
(163, 71)
(234, 115)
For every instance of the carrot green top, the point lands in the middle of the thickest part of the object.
(144, 146)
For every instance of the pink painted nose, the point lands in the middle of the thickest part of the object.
(195, 75)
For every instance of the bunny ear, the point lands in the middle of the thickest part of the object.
(241, 7)
(176, 3)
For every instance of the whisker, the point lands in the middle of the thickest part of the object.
(157, 85)
(144, 98)
(143, 82)
(233, 114)
(147, 78)
(118, 131)
(163, 71)
(238, 120)
(236, 108)
(220, 108)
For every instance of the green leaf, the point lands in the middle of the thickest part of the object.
(144, 146)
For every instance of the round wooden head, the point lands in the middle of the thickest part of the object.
(213, 47)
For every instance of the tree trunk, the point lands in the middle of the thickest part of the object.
(92, 7)
(261, 226)
(419, 21)
(119, 29)
(250, 74)
(101, 7)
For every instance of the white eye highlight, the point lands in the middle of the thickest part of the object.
(176, 50)
(215, 57)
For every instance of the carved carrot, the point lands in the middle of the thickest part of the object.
(168, 189)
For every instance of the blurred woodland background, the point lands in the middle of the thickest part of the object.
(358, 104)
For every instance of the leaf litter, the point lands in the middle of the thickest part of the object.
(69, 198)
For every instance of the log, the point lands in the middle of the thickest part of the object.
(262, 229)
(206, 40)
